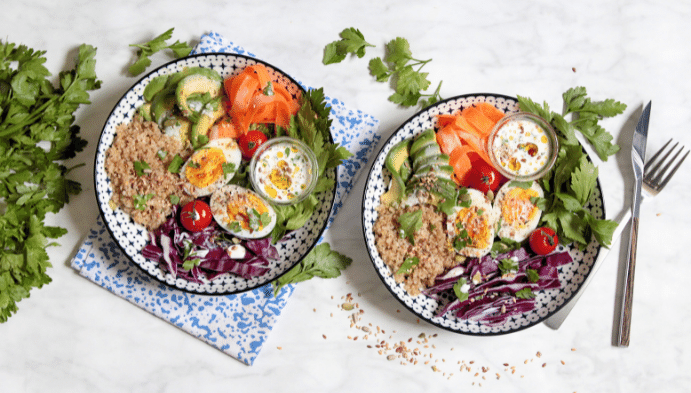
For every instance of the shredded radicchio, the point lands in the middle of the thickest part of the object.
(492, 295)
(171, 246)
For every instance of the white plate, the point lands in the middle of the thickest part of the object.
(132, 237)
(547, 302)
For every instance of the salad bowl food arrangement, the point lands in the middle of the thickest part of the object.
(456, 217)
(174, 183)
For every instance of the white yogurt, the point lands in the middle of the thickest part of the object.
(521, 147)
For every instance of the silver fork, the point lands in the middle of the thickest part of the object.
(656, 175)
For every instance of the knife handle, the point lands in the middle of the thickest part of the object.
(627, 296)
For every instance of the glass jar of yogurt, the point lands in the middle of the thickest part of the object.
(523, 146)
(284, 170)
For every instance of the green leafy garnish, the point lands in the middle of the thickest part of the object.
(320, 262)
(179, 49)
(176, 164)
(508, 266)
(174, 199)
(532, 275)
(37, 136)
(404, 71)
(311, 125)
(141, 200)
(408, 265)
(458, 289)
(504, 245)
(352, 42)
(141, 168)
(525, 293)
(410, 223)
(573, 179)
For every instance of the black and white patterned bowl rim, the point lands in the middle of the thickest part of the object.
(132, 237)
(547, 301)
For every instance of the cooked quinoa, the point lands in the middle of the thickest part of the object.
(141, 141)
(432, 247)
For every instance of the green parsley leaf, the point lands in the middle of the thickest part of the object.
(179, 49)
(525, 293)
(352, 42)
(410, 223)
(408, 265)
(508, 266)
(174, 199)
(141, 168)
(176, 164)
(141, 200)
(532, 275)
(320, 262)
(458, 289)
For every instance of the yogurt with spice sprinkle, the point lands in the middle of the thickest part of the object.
(522, 148)
(284, 170)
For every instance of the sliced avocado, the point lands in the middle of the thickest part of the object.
(163, 106)
(398, 164)
(177, 127)
(423, 139)
(428, 155)
(207, 72)
(442, 171)
(195, 84)
(207, 117)
(145, 111)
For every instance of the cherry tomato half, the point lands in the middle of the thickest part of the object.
(195, 216)
(250, 142)
(543, 240)
(484, 177)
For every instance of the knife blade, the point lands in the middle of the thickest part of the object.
(640, 136)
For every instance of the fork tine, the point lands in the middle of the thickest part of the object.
(654, 157)
(650, 171)
(669, 176)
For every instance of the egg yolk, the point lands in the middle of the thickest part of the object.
(517, 209)
(205, 167)
(280, 176)
(242, 208)
(472, 220)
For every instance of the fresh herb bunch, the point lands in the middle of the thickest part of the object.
(398, 67)
(320, 262)
(36, 134)
(570, 183)
(311, 125)
(179, 49)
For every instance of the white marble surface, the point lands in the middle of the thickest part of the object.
(73, 336)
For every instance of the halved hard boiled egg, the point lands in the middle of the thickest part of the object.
(242, 212)
(471, 226)
(518, 214)
(211, 167)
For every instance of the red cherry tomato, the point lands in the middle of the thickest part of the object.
(484, 177)
(195, 216)
(543, 240)
(250, 142)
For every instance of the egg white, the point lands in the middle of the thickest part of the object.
(229, 194)
(519, 229)
(232, 154)
(485, 213)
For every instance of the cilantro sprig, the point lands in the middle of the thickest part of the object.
(405, 73)
(572, 180)
(398, 67)
(352, 42)
(179, 49)
(311, 125)
(321, 262)
(37, 135)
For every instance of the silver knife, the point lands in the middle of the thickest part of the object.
(640, 136)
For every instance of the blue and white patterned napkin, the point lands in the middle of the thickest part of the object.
(235, 324)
